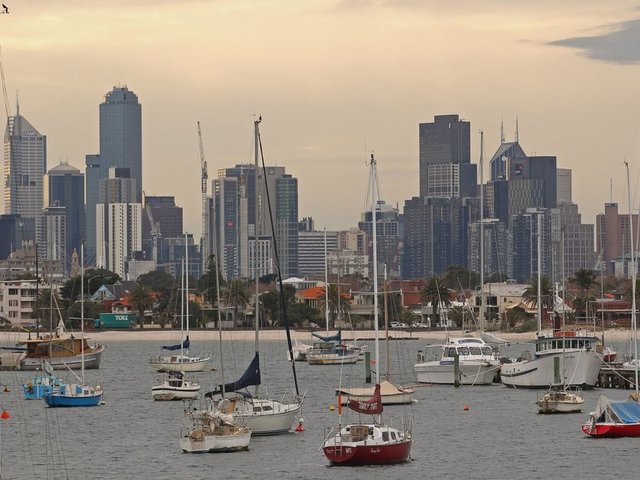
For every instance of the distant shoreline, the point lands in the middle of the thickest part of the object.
(156, 334)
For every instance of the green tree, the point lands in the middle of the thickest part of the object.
(207, 282)
(459, 315)
(435, 293)
(92, 311)
(584, 279)
(456, 277)
(93, 280)
(301, 314)
(165, 286)
(141, 299)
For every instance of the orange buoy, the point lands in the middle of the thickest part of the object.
(300, 427)
(5, 415)
(466, 408)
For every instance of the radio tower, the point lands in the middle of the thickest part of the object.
(204, 176)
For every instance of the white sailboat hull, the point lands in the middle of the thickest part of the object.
(165, 392)
(581, 369)
(332, 358)
(216, 443)
(177, 364)
(442, 372)
(263, 416)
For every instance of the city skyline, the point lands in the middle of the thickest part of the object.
(360, 76)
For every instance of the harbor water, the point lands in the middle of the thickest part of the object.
(485, 432)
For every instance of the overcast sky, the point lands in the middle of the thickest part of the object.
(333, 80)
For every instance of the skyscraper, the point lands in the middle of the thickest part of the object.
(445, 158)
(66, 189)
(118, 222)
(25, 163)
(120, 146)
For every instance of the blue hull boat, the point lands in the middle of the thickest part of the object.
(40, 386)
(74, 395)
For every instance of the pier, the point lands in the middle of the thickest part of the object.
(615, 376)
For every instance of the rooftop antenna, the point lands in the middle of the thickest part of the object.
(517, 134)
(7, 107)
(610, 190)
(17, 102)
(501, 131)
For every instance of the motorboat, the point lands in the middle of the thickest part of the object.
(477, 363)
(300, 351)
(331, 353)
(175, 387)
(581, 363)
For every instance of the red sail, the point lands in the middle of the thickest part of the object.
(373, 406)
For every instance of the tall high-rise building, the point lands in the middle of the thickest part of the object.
(25, 164)
(120, 146)
(234, 219)
(118, 222)
(66, 189)
(55, 227)
(311, 251)
(445, 158)
(387, 236)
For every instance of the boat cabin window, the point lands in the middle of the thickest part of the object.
(474, 351)
(487, 350)
(451, 352)
(385, 436)
(257, 409)
(371, 431)
(267, 408)
(463, 350)
(580, 343)
(393, 435)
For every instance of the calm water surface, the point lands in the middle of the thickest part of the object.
(499, 437)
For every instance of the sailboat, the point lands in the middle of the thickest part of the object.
(45, 381)
(182, 362)
(375, 442)
(559, 398)
(620, 418)
(174, 386)
(264, 416)
(76, 394)
(390, 394)
(212, 429)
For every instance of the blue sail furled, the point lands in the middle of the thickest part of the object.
(333, 338)
(251, 376)
(184, 345)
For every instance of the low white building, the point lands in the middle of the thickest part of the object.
(17, 301)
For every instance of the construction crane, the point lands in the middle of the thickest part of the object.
(7, 108)
(204, 176)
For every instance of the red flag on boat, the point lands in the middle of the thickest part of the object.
(373, 406)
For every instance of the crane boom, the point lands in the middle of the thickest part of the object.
(204, 176)
(7, 108)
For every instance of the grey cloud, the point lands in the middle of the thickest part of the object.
(620, 44)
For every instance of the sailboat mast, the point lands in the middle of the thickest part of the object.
(564, 336)
(633, 284)
(215, 246)
(182, 312)
(81, 307)
(326, 283)
(186, 285)
(539, 274)
(482, 297)
(386, 323)
(256, 230)
(374, 204)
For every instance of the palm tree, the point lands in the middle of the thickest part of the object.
(236, 294)
(141, 299)
(338, 302)
(530, 295)
(435, 293)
